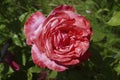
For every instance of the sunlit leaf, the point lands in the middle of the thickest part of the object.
(22, 18)
(24, 59)
(16, 40)
(35, 69)
(115, 20)
(53, 74)
(98, 35)
(29, 75)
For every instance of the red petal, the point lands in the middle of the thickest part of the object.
(14, 66)
(32, 24)
(42, 60)
(72, 62)
(85, 56)
(62, 8)
(82, 22)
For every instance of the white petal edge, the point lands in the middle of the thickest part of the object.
(41, 60)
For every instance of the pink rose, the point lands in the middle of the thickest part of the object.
(60, 40)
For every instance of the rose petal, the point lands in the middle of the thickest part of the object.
(32, 24)
(81, 47)
(62, 8)
(72, 62)
(38, 57)
(41, 60)
(85, 56)
(59, 12)
(60, 16)
(80, 21)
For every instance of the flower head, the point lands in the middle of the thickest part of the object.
(60, 40)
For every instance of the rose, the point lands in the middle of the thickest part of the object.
(60, 40)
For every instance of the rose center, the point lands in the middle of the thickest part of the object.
(64, 39)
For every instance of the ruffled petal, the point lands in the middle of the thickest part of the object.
(41, 60)
(72, 62)
(80, 21)
(62, 8)
(32, 24)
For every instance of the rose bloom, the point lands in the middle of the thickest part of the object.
(60, 40)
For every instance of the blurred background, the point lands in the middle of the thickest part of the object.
(15, 55)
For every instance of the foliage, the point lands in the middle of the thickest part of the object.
(104, 63)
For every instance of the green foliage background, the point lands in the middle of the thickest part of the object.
(104, 63)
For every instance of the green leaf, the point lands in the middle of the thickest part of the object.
(17, 40)
(1, 70)
(35, 69)
(115, 20)
(2, 27)
(23, 59)
(53, 74)
(23, 17)
(117, 68)
(98, 35)
(29, 75)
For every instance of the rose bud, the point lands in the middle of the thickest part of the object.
(8, 59)
(60, 40)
